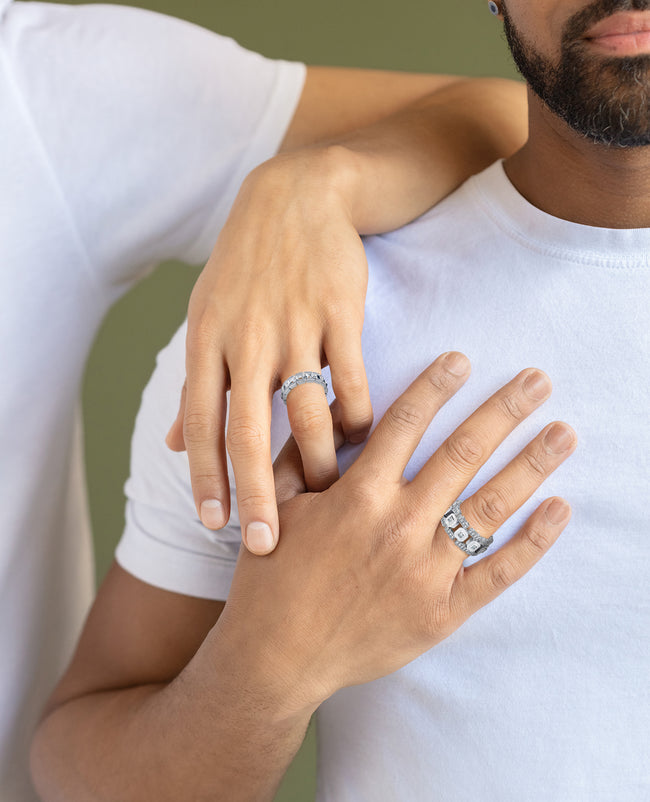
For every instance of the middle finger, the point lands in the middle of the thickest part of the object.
(448, 472)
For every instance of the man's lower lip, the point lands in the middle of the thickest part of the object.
(627, 44)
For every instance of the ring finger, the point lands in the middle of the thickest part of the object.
(311, 425)
(506, 492)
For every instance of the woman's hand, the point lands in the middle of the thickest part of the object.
(283, 292)
(365, 578)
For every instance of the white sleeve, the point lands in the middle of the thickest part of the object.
(149, 123)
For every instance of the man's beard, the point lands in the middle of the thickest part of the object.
(604, 99)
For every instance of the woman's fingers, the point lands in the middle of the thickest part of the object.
(505, 493)
(401, 428)
(203, 437)
(174, 439)
(456, 462)
(311, 425)
(345, 357)
(249, 446)
(481, 583)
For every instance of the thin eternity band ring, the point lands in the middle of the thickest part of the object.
(461, 533)
(304, 377)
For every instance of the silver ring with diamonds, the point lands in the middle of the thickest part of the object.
(467, 539)
(306, 377)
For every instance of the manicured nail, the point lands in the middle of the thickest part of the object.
(456, 363)
(212, 514)
(558, 439)
(537, 386)
(259, 538)
(557, 512)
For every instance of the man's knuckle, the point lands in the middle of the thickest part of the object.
(502, 573)
(535, 464)
(492, 507)
(404, 418)
(537, 540)
(464, 451)
(510, 405)
(440, 381)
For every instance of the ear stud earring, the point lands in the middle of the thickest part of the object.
(494, 8)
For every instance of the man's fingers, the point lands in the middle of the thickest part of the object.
(505, 493)
(311, 424)
(345, 357)
(203, 435)
(456, 462)
(249, 444)
(483, 582)
(401, 428)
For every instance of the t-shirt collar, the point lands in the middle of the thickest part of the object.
(552, 236)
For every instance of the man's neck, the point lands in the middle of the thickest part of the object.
(568, 176)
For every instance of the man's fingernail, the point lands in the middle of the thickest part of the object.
(259, 538)
(557, 512)
(558, 439)
(212, 514)
(456, 363)
(537, 386)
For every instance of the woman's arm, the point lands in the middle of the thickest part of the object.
(284, 289)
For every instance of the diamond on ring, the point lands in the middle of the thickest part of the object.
(456, 526)
(305, 377)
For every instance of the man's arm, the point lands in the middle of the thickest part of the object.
(160, 704)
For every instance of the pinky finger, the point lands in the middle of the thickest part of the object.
(486, 580)
(345, 358)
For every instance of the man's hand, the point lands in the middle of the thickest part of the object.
(365, 579)
(165, 704)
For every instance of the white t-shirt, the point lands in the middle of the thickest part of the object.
(543, 695)
(125, 135)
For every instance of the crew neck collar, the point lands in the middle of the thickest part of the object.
(615, 247)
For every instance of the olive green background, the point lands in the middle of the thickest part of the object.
(457, 36)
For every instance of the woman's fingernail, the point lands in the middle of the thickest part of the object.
(259, 538)
(456, 363)
(557, 512)
(558, 439)
(212, 514)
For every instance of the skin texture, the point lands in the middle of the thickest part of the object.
(284, 289)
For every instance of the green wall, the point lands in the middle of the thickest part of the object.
(417, 35)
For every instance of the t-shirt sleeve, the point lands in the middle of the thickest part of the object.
(149, 123)
(164, 543)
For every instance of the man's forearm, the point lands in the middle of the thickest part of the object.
(219, 731)
(407, 163)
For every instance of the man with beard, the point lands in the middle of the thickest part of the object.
(542, 695)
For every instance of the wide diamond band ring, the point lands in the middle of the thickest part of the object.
(306, 377)
(462, 534)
